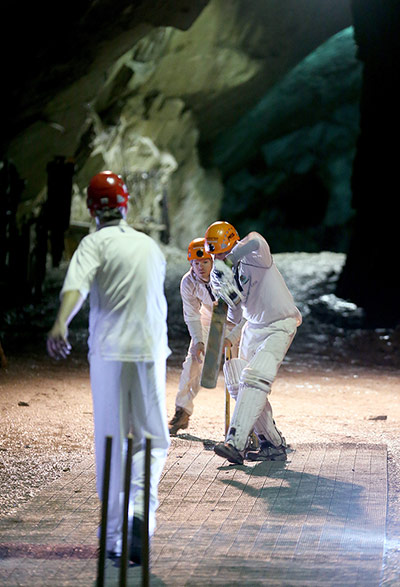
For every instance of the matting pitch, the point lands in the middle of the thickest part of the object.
(317, 519)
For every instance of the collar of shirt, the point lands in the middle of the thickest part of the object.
(122, 223)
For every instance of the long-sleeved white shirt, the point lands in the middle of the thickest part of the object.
(124, 271)
(197, 303)
(266, 296)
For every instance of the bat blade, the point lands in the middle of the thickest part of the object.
(213, 356)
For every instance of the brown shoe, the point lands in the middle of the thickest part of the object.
(180, 420)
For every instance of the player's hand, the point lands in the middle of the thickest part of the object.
(58, 346)
(198, 352)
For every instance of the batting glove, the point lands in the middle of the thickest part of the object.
(223, 284)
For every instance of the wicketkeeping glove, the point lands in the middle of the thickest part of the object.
(223, 284)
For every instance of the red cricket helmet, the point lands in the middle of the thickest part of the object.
(106, 190)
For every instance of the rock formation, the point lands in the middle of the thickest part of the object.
(208, 108)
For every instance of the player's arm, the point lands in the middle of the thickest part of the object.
(191, 306)
(196, 334)
(58, 346)
(241, 250)
(235, 331)
(198, 352)
(255, 248)
(77, 284)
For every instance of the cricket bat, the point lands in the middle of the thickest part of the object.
(213, 356)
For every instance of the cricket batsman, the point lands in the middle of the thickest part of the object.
(271, 323)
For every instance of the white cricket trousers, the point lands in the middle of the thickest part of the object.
(189, 381)
(129, 398)
(262, 350)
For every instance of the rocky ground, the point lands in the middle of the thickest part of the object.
(339, 383)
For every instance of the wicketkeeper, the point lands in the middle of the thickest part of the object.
(246, 268)
(123, 270)
(197, 303)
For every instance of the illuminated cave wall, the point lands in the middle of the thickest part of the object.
(287, 163)
(162, 112)
(250, 112)
(155, 107)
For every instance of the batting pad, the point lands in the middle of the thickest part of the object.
(265, 425)
(249, 407)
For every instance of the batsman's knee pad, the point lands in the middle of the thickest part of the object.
(252, 379)
(260, 372)
(232, 371)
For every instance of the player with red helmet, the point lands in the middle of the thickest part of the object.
(123, 270)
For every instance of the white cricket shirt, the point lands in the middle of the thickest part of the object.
(266, 296)
(197, 304)
(124, 271)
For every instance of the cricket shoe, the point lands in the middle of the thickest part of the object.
(267, 452)
(228, 452)
(179, 421)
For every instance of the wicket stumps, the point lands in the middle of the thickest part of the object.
(125, 518)
(104, 512)
(145, 538)
(146, 534)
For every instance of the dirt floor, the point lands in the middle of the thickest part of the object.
(340, 382)
(46, 415)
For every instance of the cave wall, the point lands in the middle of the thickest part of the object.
(164, 92)
(370, 275)
(287, 162)
(53, 70)
(215, 59)
(173, 88)
(204, 106)
(60, 65)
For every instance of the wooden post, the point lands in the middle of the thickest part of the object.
(104, 512)
(145, 536)
(125, 519)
